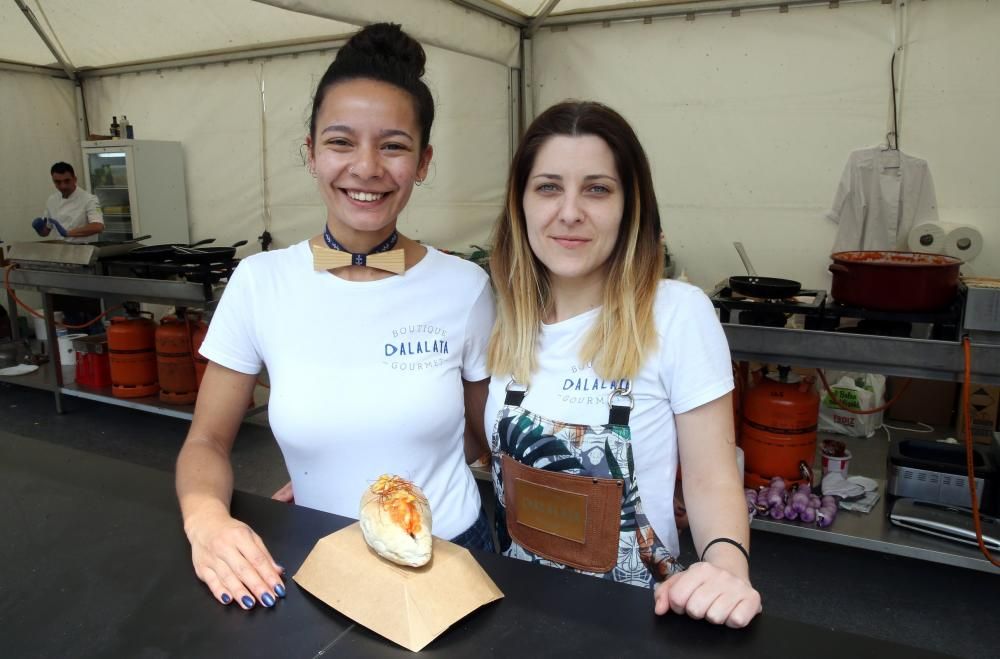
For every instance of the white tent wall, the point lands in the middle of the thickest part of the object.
(748, 120)
(37, 128)
(216, 112)
(951, 110)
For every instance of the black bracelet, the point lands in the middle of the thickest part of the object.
(730, 541)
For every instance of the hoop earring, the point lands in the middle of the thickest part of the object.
(418, 182)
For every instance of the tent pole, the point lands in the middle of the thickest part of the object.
(537, 21)
(82, 124)
(30, 15)
(81, 107)
(516, 111)
(527, 82)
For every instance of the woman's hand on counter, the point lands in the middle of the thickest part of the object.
(705, 591)
(233, 562)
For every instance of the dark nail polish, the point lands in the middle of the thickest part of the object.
(267, 600)
(226, 599)
(279, 590)
(247, 602)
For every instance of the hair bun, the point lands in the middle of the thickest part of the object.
(386, 44)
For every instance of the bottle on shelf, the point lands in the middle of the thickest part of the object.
(115, 127)
(125, 129)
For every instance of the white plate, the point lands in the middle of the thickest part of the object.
(19, 369)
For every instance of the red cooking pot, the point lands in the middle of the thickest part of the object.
(894, 281)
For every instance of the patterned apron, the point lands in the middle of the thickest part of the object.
(586, 453)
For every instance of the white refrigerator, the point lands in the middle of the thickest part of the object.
(140, 184)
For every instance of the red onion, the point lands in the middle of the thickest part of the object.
(798, 502)
(824, 518)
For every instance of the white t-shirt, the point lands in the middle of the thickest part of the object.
(366, 377)
(76, 210)
(691, 367)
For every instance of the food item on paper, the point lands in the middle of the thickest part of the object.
(396, 521)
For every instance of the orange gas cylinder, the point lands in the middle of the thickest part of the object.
(198, 332)
(778, 432)
(178, 383)
(132, 357)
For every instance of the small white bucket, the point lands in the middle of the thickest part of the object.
(837, 465)
(67, 355)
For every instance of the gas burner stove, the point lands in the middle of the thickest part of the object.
(207, 274)
(199, 273)
(758, 311)
(820, 312)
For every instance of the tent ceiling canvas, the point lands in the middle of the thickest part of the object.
(108, 33)
(100, 33)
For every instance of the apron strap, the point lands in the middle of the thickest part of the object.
(515, 394)
(620, 403)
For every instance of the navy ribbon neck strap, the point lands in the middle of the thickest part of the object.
(385, 256)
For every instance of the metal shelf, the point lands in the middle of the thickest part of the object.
(40, 379)
(920, 358)
(874, 531)
(174, 293)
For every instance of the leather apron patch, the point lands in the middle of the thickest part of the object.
(574, 520)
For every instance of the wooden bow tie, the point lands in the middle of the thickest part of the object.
(393, 260)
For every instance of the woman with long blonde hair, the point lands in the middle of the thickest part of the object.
(606, 378)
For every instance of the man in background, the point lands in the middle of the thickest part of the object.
(72, 212)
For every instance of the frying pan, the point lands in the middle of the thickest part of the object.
(769, 288)
(191, 255)
(162, 252)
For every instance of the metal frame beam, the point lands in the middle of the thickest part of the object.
(290, 48)
(538, 20)
(30, 15)
(493, 10)
(686, 9)
(21, 67)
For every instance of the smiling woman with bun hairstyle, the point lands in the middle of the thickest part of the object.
(375, 345)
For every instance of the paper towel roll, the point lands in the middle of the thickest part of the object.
(963, 242)
(927, 237)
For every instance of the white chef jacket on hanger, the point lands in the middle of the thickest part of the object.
(881, 195)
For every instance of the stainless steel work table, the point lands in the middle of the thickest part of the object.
(112, 290)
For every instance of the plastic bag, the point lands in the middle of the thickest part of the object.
(859, 391)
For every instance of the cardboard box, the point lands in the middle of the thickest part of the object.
(984, 405)
(409, 606)
(924, 401)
